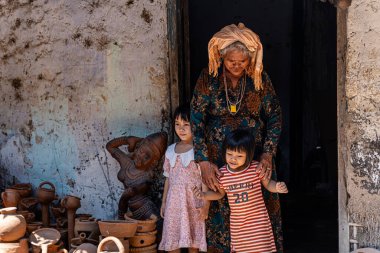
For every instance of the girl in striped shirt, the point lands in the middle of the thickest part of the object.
(240, 179)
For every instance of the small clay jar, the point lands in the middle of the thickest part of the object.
(28, 204)
(11, 197)
(109, 239)
(70, 202)
(25, 190)
(46, 195)
(29, 217)
(12, 225)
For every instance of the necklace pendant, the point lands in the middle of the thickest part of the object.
(233, 108)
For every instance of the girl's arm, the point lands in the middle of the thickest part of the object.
(206, 206)
(164, 195)
(273, 186)
(209, 195)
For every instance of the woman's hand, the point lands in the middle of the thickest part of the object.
(281, 187)
(265, 165)
(209, 172)
(162, 210)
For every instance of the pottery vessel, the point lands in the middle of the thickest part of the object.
(149, 249)
(29, 217)
(12, 225)
(143, 239)
(44, 237)
(71, 203)
(59, 212)
(117, 228)
(46, 195)
(77, 242)
(28, 204)
(10, 197)
(15, 247)
(89, 226)
(25, 190)
(109, 239)
(86, 248)
(143, 225)
(30, 227)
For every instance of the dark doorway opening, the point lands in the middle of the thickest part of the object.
(299, 39)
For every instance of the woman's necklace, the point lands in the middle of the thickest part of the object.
(234, 106)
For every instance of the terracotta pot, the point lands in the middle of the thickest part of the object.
(28, 204)
(149, 249)
(59, 212)
(143, 239)
(44, 237)
(86, 248)
(15, 247)
(71, 203)
(30, 227)
(12, 225)
(79, 241)
(10, 197)
(25, 190)
(102, 244)
(143, 225)
(117, 228)
(29, 217)
(46, 195)
(89, 226)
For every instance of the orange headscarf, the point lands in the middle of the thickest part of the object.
(230, 34)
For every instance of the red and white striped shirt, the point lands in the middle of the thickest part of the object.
(250, 226)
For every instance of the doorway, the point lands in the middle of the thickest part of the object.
(299, 40)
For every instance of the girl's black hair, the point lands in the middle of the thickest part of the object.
(240, 140)
(182, 111)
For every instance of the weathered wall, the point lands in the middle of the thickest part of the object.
(362, 119)
(74, 74)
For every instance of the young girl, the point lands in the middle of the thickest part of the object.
(250, 226)
(183, 213)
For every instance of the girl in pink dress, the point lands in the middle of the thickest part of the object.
(241, 179)
(184, 214)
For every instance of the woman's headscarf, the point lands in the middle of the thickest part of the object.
(229, 35)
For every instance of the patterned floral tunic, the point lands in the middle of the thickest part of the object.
(211, 121)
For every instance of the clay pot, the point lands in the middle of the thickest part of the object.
(46, 195)
(149, 249)
(58, 212)
(143, 239)
(15, 247)
(28, 204)
(30, 227)
(10, 197)
(44, 237)
(143, 225)
(29, 217)
(77, 242)
(62, 223)
(86, 248)
(117, 228)
(109, 239)
(89, 226)
(25, 190)
(71, 203)
(12, 225)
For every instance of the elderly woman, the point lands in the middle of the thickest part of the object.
(235, 93)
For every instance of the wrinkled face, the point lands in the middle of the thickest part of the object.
(183, 130)
(144, 157)
(235, 63)
(235, 159)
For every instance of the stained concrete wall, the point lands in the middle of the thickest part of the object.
(74, 74)
(361, 122)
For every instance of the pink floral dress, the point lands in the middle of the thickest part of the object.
(183, 227)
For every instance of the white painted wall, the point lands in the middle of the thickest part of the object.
(74, 74)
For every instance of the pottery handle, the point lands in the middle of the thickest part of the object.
(3, 196)
(108, 239)
(44, 248)
(63, 202)
(48, 183)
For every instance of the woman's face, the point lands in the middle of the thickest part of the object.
(235, 63)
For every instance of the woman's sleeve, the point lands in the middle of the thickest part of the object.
(198, 116)
(272, 111)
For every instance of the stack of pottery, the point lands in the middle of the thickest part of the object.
(145, 238)
(12, 229)
(121, 229)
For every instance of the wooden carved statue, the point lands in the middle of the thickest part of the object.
(136, 172)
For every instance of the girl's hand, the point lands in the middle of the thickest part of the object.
(203, 211)
(198, 192)
(162, 210)
(281, 187)
(266, 166)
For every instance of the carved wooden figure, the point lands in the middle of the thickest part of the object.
(136, 172)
